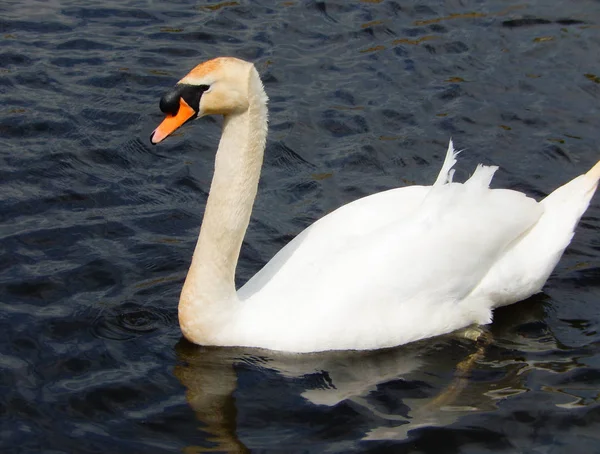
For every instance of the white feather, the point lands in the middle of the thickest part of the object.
(388, 269)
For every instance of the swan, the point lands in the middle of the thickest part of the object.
(385, 270)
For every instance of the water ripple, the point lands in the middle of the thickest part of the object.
(97, 226)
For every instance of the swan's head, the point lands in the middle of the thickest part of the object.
(218, 86)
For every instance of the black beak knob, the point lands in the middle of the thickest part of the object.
(169, 103)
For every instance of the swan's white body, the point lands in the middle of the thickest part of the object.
(385, 270)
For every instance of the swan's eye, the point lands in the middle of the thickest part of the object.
(192, 94)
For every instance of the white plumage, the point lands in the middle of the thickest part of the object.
(385, 270)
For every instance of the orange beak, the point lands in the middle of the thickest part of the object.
(172, 122)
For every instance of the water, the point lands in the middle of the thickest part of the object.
(98, 226)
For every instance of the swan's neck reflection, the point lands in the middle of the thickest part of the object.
(210, 381)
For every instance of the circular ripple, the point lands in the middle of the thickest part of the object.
(129, 321)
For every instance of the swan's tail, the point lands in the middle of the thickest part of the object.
(564, 207)
(593, 175)
(527, 265)
(567, 204)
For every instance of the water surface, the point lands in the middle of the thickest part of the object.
(98, 226)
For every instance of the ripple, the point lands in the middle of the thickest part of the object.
(139, 321)
(130, 321)
(10, 58)
(47, 26)
(84, 44)
(97, 226)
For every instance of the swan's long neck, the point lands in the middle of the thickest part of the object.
(209, 288)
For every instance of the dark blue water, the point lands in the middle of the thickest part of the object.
(97, 227)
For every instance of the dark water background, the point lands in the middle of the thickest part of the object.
(97, 227)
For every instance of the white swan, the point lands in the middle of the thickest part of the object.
(388, 269)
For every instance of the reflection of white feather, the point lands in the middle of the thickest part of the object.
(355, 377)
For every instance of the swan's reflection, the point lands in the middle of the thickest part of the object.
(430, 378)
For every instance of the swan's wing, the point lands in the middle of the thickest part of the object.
(346, 225)
(338, 229)
(444, 242)
(438, 253)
